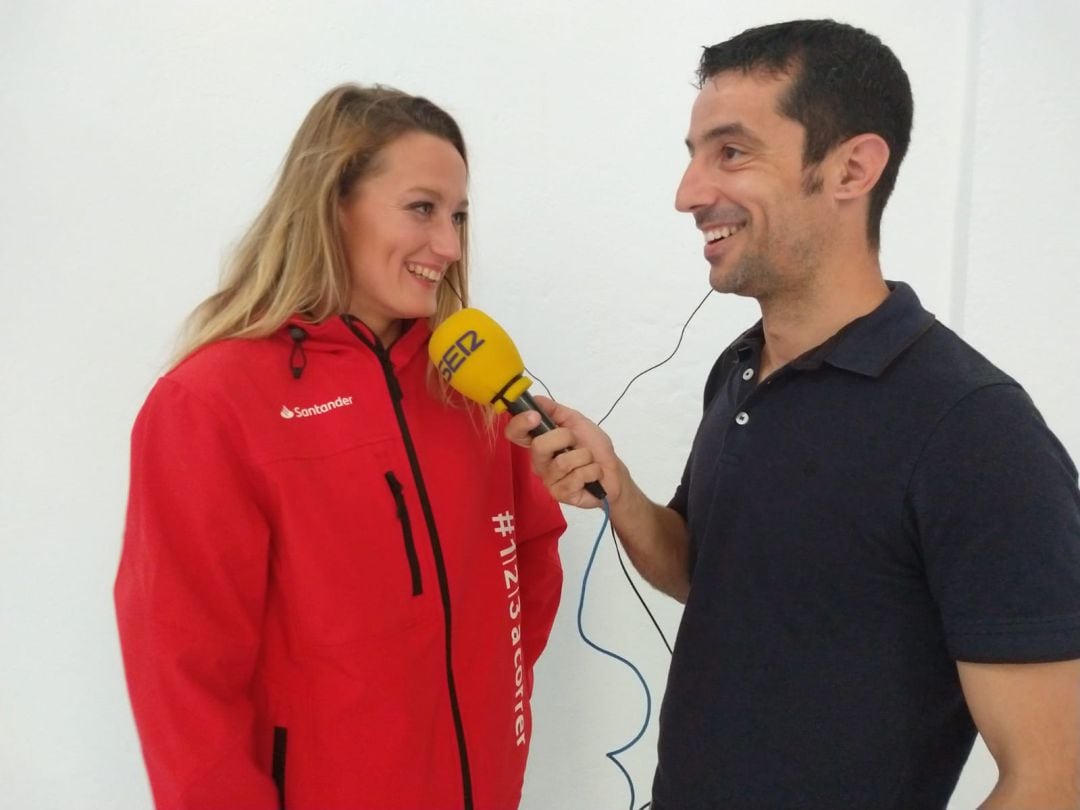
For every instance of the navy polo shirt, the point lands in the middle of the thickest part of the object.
(883, 506)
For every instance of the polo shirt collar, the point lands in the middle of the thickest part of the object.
(868, 345)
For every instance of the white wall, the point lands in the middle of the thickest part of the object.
(137, 140)
(1015, 267)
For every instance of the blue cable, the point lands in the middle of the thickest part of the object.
(585, 580)
(648, 696)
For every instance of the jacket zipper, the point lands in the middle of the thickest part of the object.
(436, 548)
(406, 531)
(278, 763)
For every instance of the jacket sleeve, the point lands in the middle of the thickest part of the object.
(540, 525)
(190, 594)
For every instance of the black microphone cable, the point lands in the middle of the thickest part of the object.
(618, 552)
(618, 399)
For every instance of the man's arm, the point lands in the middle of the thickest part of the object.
(578, 452)
(1029, 717)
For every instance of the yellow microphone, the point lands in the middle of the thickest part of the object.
(479, 360)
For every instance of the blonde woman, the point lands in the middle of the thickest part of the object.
(335, 578)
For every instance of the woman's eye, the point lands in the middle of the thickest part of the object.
(460, 217)
(422, 207)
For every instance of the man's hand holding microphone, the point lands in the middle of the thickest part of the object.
(572, 456)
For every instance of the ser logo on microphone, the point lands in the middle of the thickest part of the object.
(458, 353)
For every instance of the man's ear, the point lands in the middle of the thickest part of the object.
(859, 163)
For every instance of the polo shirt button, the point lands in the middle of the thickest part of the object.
(746, 375)
(742, 417)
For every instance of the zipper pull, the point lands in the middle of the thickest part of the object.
(397, 490)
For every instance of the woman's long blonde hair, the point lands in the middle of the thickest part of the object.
(291, 259)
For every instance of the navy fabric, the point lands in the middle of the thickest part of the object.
(878, 509)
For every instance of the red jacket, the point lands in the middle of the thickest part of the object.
(333, 586)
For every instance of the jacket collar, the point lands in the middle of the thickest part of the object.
(868, 345)
(342, 333)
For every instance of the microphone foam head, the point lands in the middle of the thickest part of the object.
(478, 359)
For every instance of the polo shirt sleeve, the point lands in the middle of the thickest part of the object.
(679, 499)
(995, 511)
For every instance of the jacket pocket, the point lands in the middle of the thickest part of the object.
(277, 765)
(406, 531)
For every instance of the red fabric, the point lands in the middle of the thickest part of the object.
(265, 583)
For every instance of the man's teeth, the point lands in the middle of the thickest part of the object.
(423, 272)
(722, 233)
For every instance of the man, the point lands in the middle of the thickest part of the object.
(876, 536)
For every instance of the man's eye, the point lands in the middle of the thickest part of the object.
(731, 153)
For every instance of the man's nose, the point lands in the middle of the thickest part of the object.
(693, 191)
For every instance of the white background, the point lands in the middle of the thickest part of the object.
(137, 140)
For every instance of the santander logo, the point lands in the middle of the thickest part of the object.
(298, 412)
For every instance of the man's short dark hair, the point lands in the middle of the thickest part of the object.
(845, 82)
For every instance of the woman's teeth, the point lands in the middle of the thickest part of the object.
(423, 272)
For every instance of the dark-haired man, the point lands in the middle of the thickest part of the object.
(876, 536)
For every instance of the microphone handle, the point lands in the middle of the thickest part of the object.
(525, 402)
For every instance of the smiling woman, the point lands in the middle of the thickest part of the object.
(361, 155)
(402, 230)
(311, 596)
